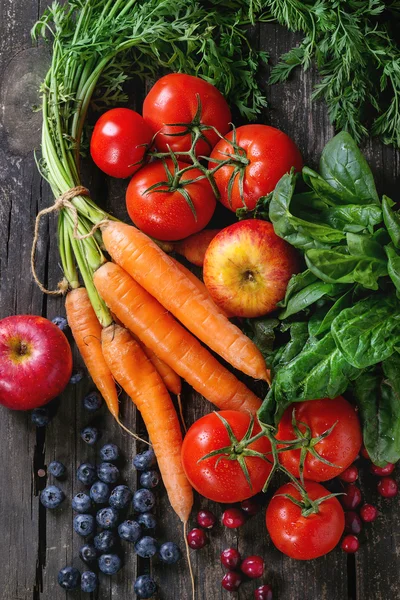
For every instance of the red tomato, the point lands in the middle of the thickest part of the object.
(165, 214)
(174, 99)
(225, 481)
(299, 536)
(340, 447)
(118, 142)
(270, 154)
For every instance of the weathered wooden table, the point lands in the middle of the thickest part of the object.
(35, 544)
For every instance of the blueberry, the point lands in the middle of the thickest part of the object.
(69, 578)
(88, 553)
(143, 500)
(61, 322)
(104, 541)
(92, 401)
(77, 376)
(170, 553)
(57, 469)
(120, 497)
(130, 531)
(147, 520)
(109, 452)
(107, 472)
(86, 474)
(52, 496)
(145, 586)
(146, 547)
(107, 517)
(149, 479)
(100, 492)
(90, 435)
(84, 525)
(109, 564)
(144, 460)
(40, 416)
(89, 582)
(81, 503)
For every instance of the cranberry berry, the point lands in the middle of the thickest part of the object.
(233, 518)
(231, 581)
(352, 498)
(253, 566)
(382, 471)
(387, 487)
(231, 558)
(263, 593)
(350, 475)
(196, 539)
(353, 522)
(350, 544)
(206, 519)
(368, 513)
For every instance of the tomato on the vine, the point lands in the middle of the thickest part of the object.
(193, 103)
(119, 141)
(300, 532)
(260, 156)
(315, 418)
(174, 209)
(221, 477)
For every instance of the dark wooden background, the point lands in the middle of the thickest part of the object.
(35, 544)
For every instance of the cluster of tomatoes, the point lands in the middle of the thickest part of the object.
(196, 157)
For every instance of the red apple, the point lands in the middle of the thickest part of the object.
(247, 268)
(35, 361)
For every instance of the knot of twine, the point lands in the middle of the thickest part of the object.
(63, 201)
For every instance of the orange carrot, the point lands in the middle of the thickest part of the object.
(194, 247)
(86, 330)
(171, 380)
(156, 328)
(136, 374)
(139, 256)
(199, 285)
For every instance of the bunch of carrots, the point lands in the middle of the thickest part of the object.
(159, 312)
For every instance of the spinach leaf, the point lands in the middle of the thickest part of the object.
(352, 217)
(321, 321)
(345, 169)
(339, 266)
(320, 370)
(296, 283)
(308, 295)
(322, 188)
(298, 337)
(368, 332)
(392, 220)
(377, 392)
(296, 231)
(262, 332)
(393, 266)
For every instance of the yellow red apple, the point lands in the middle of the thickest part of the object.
(35, 361)
(247, 268)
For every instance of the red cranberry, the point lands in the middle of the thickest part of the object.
(253, 566)
(231, 581)
(196, 539)
(353, 522)
(233, 518)
(250, 506)
(350, 544)
(231, 558)
(350, 475)
(263, 593)
(368, 513)
(381, 471)
(387, 487)
(352, 498)
(364, 453)
(206, 519)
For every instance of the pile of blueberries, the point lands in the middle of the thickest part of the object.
(102, 517)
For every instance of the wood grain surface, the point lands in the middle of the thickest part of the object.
(35, 544)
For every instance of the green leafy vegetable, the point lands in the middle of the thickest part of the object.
(308, 296)
(368, 332)
(321, 321)
(394, 266)
(377, 392)
(391, 220)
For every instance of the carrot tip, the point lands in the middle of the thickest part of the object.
(181, 412)
(134, 435)
(189, 561)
